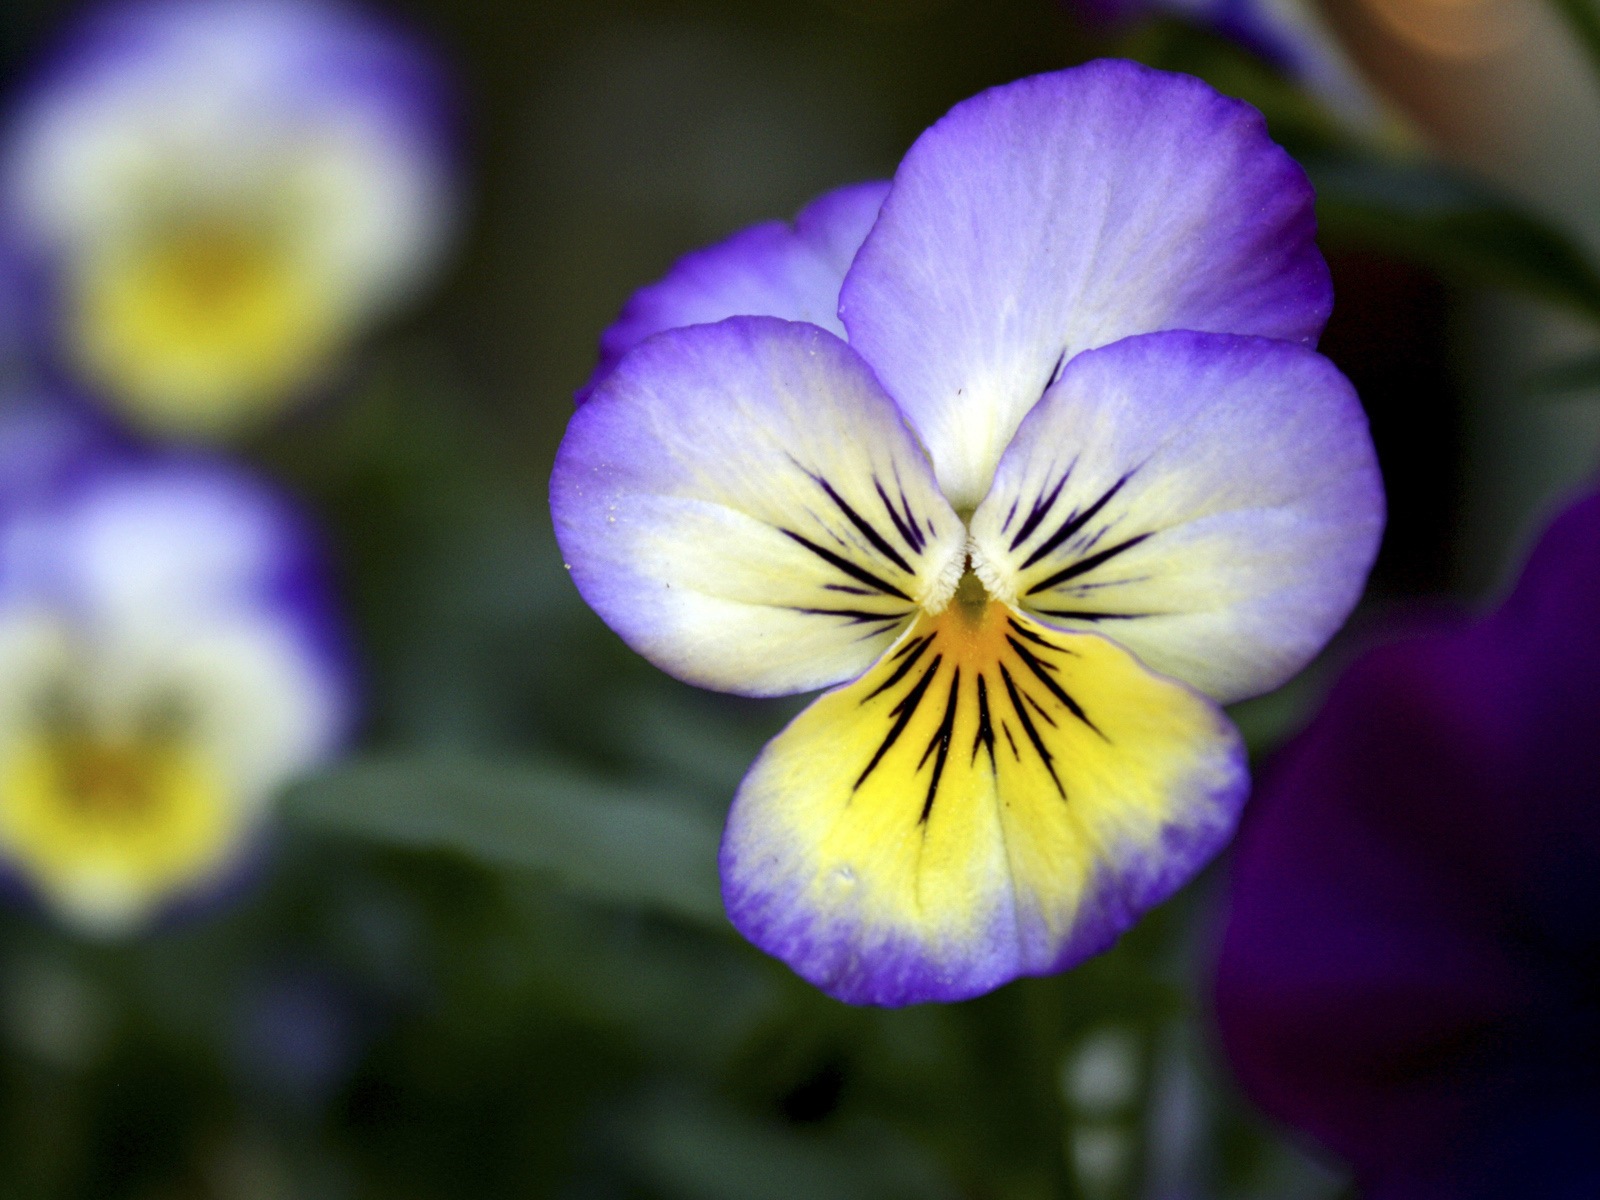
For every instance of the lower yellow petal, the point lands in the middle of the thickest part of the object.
(993, 799)
(108, 831)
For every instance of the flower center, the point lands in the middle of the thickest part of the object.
(193, 316)
(103, 819)
(971, 598)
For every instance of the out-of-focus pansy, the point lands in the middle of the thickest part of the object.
(169, 657)
(218, 194)
(1408, 971)
(1076, 478)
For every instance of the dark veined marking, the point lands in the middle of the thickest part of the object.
(866, 527)
(902, 712)
(849, 589)
(1055, 372)
(1075, 522)
(909, 646)
(941, 739)
(1042, 504)
(1094, 539)
(1006, 729)
(1010, 513)
(1044, 713)
(859, 574)
(1041, 671)
(921, 645)
(1089, 614)
(1084, 565)
(1037, 639)
(1079, 589)
(1020, 707)
(984, 738)
(905, 526)
(905, 510)
(854, 616)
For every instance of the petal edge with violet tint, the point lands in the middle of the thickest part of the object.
(993, 799)
(1210, 502)
(1063, 212)
(773, 269)
(1405, 967)
(748, 510)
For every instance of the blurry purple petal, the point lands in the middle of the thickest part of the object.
(1408, 968)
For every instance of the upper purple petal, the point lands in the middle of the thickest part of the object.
(1408, 967)
(769, 270)
(1064, 212)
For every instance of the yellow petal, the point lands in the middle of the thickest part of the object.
(993, 799)
(108, 831)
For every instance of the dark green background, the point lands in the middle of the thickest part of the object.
(486, 958)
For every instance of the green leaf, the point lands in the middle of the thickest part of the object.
(1266, 722)
(1369, 195)
(1583, 18)
(1461, 228)
(1575, 375)
(608, 842)
(686, 1143)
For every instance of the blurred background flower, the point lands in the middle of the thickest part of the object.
(1408, 969)
(170, 657)
(219, 196)
(484, 954)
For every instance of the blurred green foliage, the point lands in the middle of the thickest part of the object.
(486, 957)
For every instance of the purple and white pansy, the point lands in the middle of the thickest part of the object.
(171, 657)
(1035, 480)
(217, 195)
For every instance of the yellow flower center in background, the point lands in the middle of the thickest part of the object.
(106, 827)
(195, 327)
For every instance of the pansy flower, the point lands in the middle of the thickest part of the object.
(218, 194)
(1408, 970)
(1071, 478)
(169, 657)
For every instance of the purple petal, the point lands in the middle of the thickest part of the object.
(769, 270)
(291, 54)
(1064, 212)
(743, 504)
(1211, 502)
(1407, 968)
